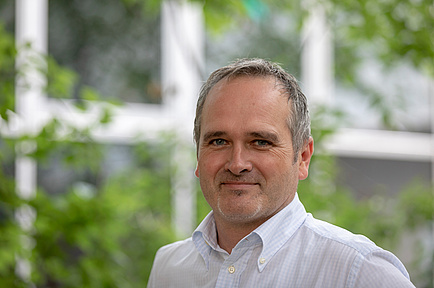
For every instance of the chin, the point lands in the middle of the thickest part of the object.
(240, 214)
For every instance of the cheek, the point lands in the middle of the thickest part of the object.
(273, 164)
(208, 166)
(278, 171)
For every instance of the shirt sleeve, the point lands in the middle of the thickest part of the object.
(381, 269)
(156, 267)
(151, 280)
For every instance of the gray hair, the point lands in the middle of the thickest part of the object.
(298, 116)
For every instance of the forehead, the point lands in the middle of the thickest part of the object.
(256, 88)
(264, 80)
(244, 101)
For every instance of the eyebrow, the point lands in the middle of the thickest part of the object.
(213, 134)
(273, 137)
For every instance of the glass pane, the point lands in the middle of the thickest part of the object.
(367, 177)
(114, 47)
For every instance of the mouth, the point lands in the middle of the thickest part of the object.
(238, 185)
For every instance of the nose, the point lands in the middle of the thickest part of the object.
(238, 161)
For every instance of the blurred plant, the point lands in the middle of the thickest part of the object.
(400, 37)
(106, 234)
(101, 234)
(10, 231)
(7, 72)
(401, 32)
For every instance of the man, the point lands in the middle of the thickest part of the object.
(252, 132)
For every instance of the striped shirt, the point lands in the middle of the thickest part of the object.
(291, 249)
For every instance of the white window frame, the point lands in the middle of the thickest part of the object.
(181, 83)
(182, 61)
(317, 76)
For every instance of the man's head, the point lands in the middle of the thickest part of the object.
(248, 165)
(298, 113)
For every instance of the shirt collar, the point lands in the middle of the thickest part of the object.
(205, 237)
(279, 229)
(274, 233)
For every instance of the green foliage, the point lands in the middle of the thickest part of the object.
(7, 72)
(142, 196)
(61, 81)
(390, 33)
(10, 233)
(417, 204)
(392, 30)
(149, 7)
(105, 234)
(103, 237)
(101, 234)
(223, 15)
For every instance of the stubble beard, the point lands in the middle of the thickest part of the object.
(238, 216)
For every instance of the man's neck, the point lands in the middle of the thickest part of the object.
(230, 232)
(228, 235)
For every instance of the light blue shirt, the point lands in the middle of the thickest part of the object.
(291, 249)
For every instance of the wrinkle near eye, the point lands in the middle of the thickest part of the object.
(262, 143)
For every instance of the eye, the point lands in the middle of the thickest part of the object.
(262, 143)
(218, 142)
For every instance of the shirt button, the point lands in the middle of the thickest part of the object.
(262, 260)
(231, 269)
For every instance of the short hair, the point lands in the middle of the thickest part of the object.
(298, 120)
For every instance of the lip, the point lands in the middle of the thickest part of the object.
(238, 185)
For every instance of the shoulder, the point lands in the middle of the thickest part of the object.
(179, 249)
(169, 263)
(336, 236)
(365, 260)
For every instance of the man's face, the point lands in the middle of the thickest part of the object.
(245, 157)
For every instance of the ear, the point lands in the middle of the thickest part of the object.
(196, 172)
(304, 161)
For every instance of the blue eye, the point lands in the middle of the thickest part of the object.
(218, 142)
(262, 143)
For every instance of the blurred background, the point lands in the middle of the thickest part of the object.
(97, 102)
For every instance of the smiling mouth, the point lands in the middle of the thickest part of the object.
(238, 185)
